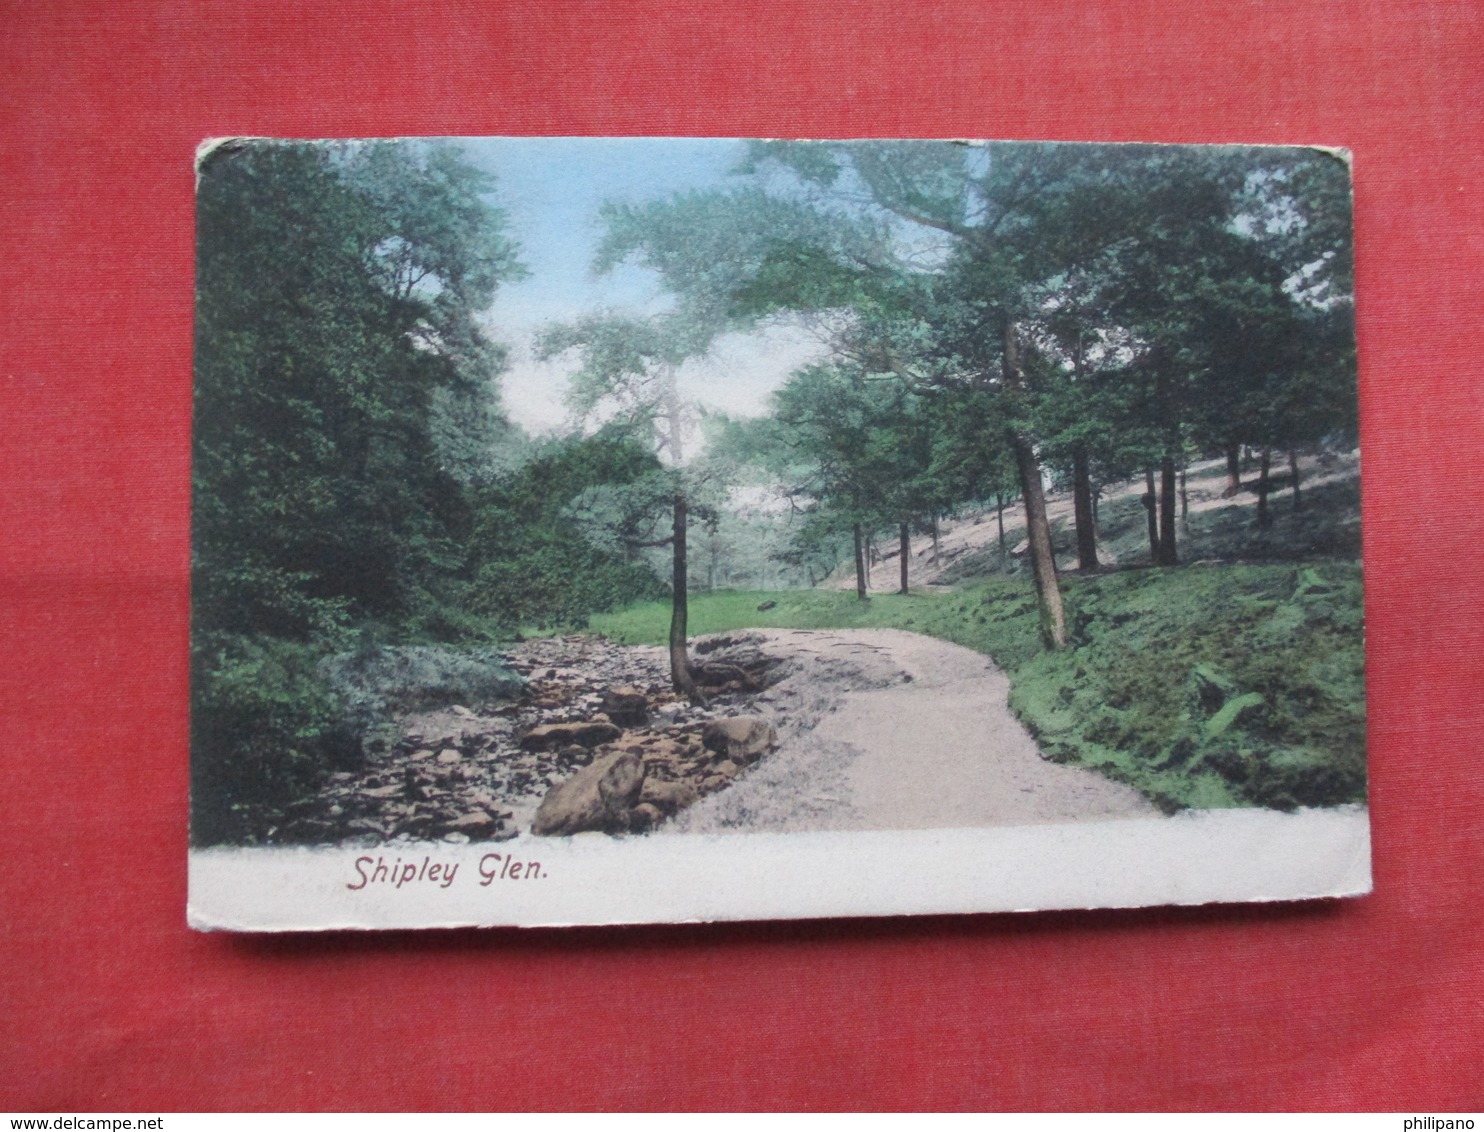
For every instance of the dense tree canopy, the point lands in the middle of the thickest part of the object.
(1096, 310)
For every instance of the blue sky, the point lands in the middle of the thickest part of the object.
(552, 189)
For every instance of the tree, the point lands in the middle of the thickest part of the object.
(994, 205)
(551, 538)
(1122, 307)
(627, 369)
(322, 493)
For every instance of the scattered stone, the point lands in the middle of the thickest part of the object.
(668, 797)
(625, 706)
(729, 677)
(460, 772)
(474, 824)
(643, 816)
(767, 605)
(586, 733)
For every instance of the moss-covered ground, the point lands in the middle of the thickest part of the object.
(1229, 684)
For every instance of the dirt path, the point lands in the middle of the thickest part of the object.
(886, 729)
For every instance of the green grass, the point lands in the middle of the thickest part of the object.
(1202, 686)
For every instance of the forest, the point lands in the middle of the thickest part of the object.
(1089, 410)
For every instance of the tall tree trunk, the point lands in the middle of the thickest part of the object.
(1184, 499)
(1263, 518)
(1043, 557)
(999, 515)
(860, 563)
(681, 677)
(1233, 470)
(1087, 539)
(904, 552)
(935, 538)
(1150, 500)
(1298, 502)
(1038, 528)
(1167, 553)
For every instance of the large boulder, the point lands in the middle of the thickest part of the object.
(741, 739)
(585, 733)
(597, 797)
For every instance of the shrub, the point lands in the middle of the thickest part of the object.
(265, 730)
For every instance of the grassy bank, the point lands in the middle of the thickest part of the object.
(1206, 686)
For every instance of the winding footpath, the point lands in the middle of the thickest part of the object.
(887, 729)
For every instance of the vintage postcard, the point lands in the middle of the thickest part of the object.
(596, 531)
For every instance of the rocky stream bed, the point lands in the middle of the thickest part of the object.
(596, 740)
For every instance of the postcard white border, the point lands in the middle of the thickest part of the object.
(1197, 857)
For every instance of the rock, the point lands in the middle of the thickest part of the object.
(586, 733)
(597, 797)
(423, 754)
(667, 796)
(719, 674)
(449, 755)
(767, 605)
(382, 792)
(658, 747)
(644, 815)
(474, 823)
(625, 706)
(741, 739)
(727, 768)
(461, 711)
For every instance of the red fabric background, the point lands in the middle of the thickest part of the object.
(107, 1001)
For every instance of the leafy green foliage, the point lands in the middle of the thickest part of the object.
(537, 565)
(265, 728)
(344, 403)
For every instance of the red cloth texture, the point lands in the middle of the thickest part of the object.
(108, 1001)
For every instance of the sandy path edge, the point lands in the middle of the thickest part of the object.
(887, 729)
